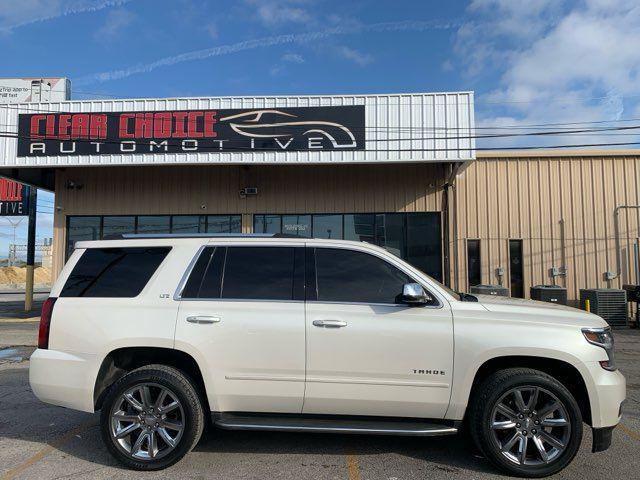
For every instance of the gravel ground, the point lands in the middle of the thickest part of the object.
(40, 441)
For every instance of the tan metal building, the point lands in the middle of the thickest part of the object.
(405, 176)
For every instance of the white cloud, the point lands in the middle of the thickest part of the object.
(115, 23)
(273, 13)
(293, 58)
(264, 42)
(15, 14)
(581, 64)
(359, 58)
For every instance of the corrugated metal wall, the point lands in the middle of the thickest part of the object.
(562, 207)
(281, 189)
(404, 127)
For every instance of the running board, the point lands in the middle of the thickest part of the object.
(333, 424)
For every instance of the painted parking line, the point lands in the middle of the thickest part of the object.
(353, 467)
(630, 432)
(53, 445)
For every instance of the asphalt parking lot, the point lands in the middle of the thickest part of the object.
(39, 441)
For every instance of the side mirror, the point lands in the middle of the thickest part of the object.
(414, 294)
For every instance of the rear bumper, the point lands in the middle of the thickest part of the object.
(63, 379)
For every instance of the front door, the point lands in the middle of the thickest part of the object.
(367, 354)
(242, 309)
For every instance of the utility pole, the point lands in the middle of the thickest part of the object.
(31, 248)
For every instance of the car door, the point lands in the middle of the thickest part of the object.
(367, 354)
(242, 311)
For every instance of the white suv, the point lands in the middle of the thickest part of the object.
(163, 333)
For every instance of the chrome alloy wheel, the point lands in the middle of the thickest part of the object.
(530, 426)
(147, 421)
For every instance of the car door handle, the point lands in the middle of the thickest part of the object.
(203, 319)
(329, 323)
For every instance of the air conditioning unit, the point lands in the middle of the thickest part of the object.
(608, 303)
(497, 290)
(549, 293)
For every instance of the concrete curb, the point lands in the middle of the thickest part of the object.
(19, 320)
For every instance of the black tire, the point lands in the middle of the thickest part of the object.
(492, 391)
(182, 388)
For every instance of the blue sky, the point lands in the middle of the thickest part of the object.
(529, 61)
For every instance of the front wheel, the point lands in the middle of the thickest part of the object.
(151, 418)
(525, 422)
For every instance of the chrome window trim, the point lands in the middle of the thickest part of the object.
(398, 305)
(252, 300)
(185, 276)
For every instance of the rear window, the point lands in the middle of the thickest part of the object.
(113, 272)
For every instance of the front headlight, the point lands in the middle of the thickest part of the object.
(602, 337)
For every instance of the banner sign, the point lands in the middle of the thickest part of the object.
(192, 131)
(14, 198)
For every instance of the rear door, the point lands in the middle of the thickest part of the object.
(242, 310)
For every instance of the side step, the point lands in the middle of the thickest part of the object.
(332, 424)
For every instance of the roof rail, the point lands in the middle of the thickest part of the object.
(134, 236)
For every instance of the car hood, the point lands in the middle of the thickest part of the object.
(534, 310)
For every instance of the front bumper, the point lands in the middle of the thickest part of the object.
(606, 394)
(63, 379)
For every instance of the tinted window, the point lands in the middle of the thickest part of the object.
(224, 224)
(154, 224)
(205, 280)
(116, 226)
(327, 226)
(261, 273)
(185, 224)
(113, 272)
(349, 276)
(424, 248)
(298, 225)
(82, 228)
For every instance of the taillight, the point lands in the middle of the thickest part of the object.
(45, 323)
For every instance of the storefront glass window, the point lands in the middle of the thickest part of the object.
(327, 226)
(267, 224)
(415, 237)
(423, 248)
(82, 228)
(298, 225)
(224, 224)
(360, 227)
(390, 233)
(154, 224)
(97, 227)
(185, 224)
(115, 226)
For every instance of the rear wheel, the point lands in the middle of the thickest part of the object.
(151, 418)
(526, 422)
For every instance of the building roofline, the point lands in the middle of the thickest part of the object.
(556, 153)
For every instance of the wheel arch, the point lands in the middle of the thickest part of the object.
(563, 371)
(120, 361)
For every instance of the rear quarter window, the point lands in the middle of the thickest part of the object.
(113, 272)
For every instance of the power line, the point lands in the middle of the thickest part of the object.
(117, 113)
(215, 149)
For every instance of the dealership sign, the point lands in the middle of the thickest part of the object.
(14, 198)
(192, 131)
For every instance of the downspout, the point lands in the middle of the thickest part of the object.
(446, 222)
(616, 227)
